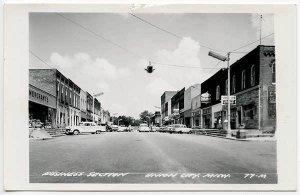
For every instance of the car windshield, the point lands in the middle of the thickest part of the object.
(144, 125)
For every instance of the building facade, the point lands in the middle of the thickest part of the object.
(97, 112)
(189, 94)
(83, 106)
(89, 107)
(166, 106)
(196, 112)
(177, 107)
(253, 83)
(74, 103)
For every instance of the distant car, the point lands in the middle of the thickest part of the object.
(169, 129)
(121, 128)
(85, 127)
(163, 129)
(144, 128)
(179, 128)
(154, 128)
(114, 128)
(129, 129)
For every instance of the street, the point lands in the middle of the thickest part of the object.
(133, 157)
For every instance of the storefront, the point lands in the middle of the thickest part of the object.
(196, 118)
(206, 115)
(42, 107)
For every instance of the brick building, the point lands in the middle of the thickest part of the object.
(253, 83)
(42, 97)
(74, 103)
(89, 107)
(83, 106)
(97, 111)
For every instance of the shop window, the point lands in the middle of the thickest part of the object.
(233, 84)
(252, 75)
(243, 81)
(249, 111)
(218, 92)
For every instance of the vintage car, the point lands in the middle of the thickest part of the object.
(144, 128)
(85, 127)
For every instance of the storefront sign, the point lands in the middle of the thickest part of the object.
(224, 100)
(205, 98)
(272, 95)
(39, 96)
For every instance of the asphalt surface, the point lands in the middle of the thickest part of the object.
(133, 157)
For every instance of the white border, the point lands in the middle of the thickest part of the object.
(16, 92)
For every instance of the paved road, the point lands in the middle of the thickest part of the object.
(133, 157)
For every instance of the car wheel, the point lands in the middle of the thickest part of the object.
(75, 132)
(98, 132)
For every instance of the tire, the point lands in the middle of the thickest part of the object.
(75, 132)
(98, 132)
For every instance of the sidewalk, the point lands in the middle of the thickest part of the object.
(216, 133)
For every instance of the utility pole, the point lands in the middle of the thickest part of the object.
(260, 29)
(228, 95)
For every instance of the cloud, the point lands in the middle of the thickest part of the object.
(185, 54)
(158, 86)
(86, 66)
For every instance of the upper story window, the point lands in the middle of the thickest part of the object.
(233, 84)
(252, 75)
(273, 72)
(218, 92)
(243, 81)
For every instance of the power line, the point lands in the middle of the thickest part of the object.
(183, 66)
(35, 55)
(170, 33)
(233, 51)
(115, 44)
(100, 36)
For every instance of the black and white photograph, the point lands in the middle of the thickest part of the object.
(158, 98)
(150, 97)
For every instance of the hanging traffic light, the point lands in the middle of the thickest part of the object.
(149, 68)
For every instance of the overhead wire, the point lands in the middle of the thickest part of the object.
(171, 33)
(39, 58)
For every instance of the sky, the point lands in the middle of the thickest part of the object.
(107, 52)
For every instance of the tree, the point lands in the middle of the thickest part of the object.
(145, 116)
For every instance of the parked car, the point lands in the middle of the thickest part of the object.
(121, 128)
(179, 128)
(163, 129)
(169, 129)
(114, 128)
(144, 128)
(154, 128)
(85, 127)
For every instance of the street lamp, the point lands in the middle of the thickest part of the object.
(95, 95)
(119, 122)
(225, 58)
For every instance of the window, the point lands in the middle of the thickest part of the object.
(243, 79)
(252, 75)
(273, 72)
(218, 92)
(233, 84)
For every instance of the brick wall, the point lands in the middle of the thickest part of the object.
(44, 79)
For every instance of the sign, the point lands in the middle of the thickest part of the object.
(39, 96)
(205, 98)
(272, 95)
(224, 100)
